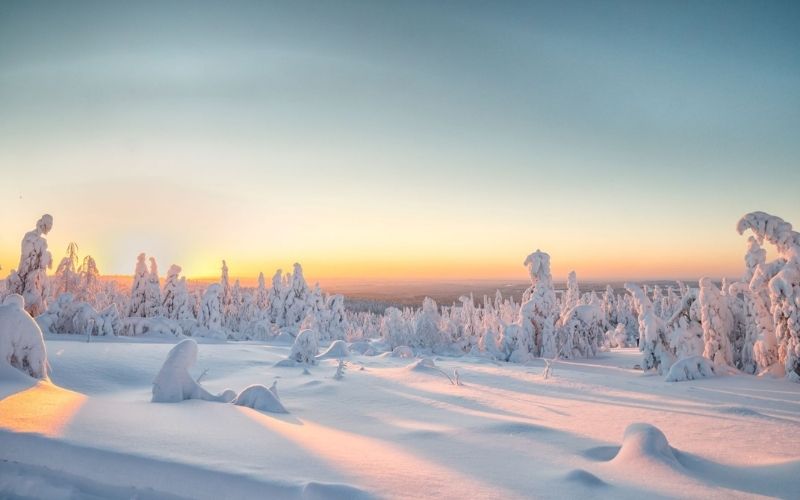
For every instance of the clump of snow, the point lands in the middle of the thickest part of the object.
(691, 368)
(21, 341)
(173, 382)
(423, 364)
(644, 443)
(337, 349)
(259, 397)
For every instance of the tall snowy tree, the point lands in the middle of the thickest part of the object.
(539, 313)
(153, 291)
(653, 340)
(572, 297)
(225, 292)
(169, 306)
(717, 322)
(66, 278)
(138, 302)
(89, 281)
(262, 296)
(211, 307)
(784, 284)
(30, 278)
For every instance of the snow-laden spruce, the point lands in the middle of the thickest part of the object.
(30, 278)
(21, 342)
(174, 383)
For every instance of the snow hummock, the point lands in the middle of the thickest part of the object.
(337, 349)
(173, 382)
(21, 341)
(643, 443)
(259, 397)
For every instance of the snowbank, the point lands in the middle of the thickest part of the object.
(173, 382)
(21, 341)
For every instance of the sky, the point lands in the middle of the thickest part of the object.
(399, 140)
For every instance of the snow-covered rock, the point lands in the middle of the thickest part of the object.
(21, 341)
(174, 383)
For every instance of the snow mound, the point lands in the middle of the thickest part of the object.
(21, 341)
(690, 368)
(360, 347)
(402, 351)
(259, 397)
(173, 382)
(584, 478)
(645, 443)
(337, 349)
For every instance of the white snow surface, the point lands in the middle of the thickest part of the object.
(389, 431)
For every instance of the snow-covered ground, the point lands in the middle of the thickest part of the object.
(390, 428)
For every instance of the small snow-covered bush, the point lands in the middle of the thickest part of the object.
(337, 349)
(174, 383)
(305, 347)
(21, 341)
(690, 369)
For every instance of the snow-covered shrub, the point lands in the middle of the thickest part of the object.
(174, 383)
(259, 397)
(21, 342)
(67, 315)
(30, 278)
(305, 347)
(517, 343)
(617, 337)
(690, 368)
(156, 327)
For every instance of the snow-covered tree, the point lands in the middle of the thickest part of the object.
(783, 286)
(395, 331)
(225, 292)
(211, 307)
(262, 296)
(717, 322)
(539, 311)
(138, 303)
(66, 279)
(89, 281)
(30, 278)
(153, 291)
(427, 333)
(169, 307)
(183, 303)
(572, 297)
(653, 339)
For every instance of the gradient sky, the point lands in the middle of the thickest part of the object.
(400, 140)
